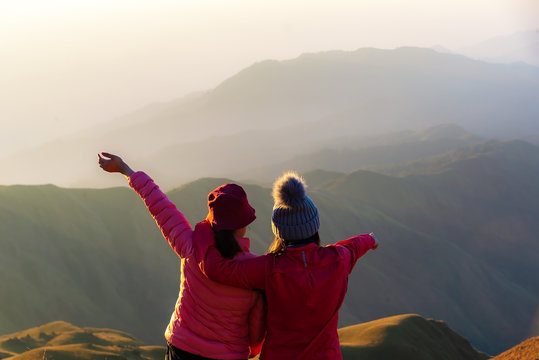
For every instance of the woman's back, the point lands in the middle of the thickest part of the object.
(305, 289)
(210, 319)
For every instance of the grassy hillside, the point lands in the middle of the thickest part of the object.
(405, 337)
(86, 256)
(458, 244)
(484, 205)
(398, 337)
(527, 350)
(60, 340)
(483, 213)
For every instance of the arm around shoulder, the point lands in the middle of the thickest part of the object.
(257, 325)
(245, 273)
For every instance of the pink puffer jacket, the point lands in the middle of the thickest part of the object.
(210, 319)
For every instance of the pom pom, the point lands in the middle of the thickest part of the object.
(289, 190)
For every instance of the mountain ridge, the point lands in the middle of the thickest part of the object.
(366, 92)
(85, 253)
(407, 336)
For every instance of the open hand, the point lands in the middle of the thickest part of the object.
(113, 163)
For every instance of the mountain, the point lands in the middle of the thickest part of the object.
(275, 108)
(522, 47)
(405, 337)
(458, 242)
(89, 257)
(486, 235)
(527, 350)
(516, 152)
(442, 49)
(61, 340)
(373, 153)
(534, 139)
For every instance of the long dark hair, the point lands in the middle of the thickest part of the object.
(226, 243)
(278, 246)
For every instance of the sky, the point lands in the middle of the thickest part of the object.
(66, 65)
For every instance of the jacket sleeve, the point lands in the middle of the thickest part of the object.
(173, 224)
(245, 273)
(257, 325)
(355, 247)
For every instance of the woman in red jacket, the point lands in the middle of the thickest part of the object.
(210, 320)
(304, 283)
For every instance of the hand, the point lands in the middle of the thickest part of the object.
(113, 163)
(376, 243)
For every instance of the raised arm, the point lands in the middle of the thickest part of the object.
(356, 247)
(173, 224)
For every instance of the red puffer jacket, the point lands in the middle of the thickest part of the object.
(210, 319)
(305, 288)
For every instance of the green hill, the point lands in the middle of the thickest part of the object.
(527, 350)
(397, 337)
(459, 243)
(87, 256)
(405, 337)
(60, 340)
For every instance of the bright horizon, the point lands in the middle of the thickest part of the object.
(70, 65)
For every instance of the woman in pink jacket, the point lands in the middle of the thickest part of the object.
(210, 320)
(304, 283)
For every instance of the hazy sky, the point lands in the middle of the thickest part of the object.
(65, 65)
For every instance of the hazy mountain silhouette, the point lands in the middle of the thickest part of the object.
(459, 243)
(373, 152)
(301, 102)
(522, 47)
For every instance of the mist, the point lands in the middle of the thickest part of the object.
(67, 66)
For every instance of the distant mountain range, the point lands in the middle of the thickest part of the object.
(520, 47)
(459, 242)
(375, 153)
(275, 111)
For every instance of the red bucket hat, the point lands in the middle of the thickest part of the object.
(228, 208)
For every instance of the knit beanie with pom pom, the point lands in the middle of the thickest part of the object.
(295, 217)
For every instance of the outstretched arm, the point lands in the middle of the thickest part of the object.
(173, 224)
(356, 247)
